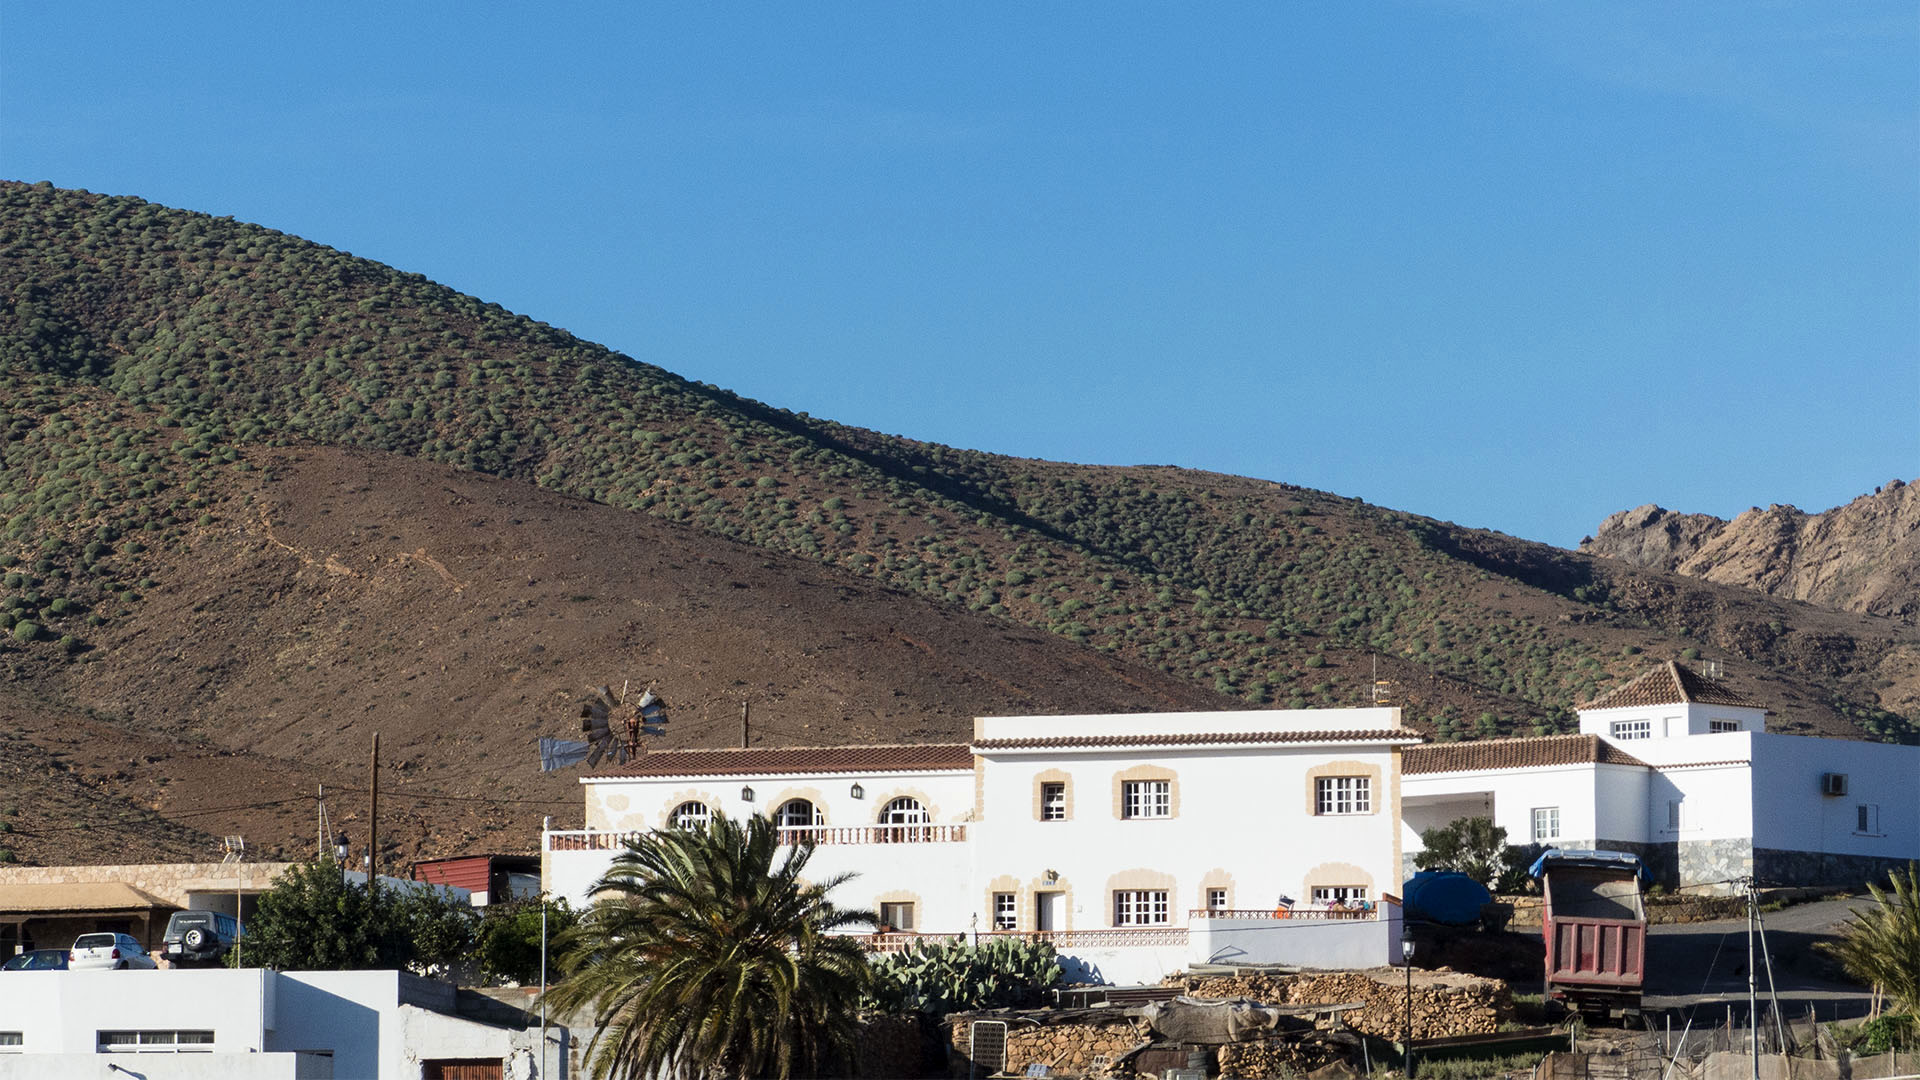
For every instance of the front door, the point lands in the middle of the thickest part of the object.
(1050, 911)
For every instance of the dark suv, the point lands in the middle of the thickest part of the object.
(199, 937)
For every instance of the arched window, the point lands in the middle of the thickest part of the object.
(904, 810)
(796, 814)
(692, 814)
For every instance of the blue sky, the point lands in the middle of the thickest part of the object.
(1512, 265)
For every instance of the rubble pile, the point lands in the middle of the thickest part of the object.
(1444, 1003)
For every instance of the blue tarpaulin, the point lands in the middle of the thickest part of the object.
(1606, 860)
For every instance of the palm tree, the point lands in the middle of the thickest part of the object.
(707, 955)
(1881, 945)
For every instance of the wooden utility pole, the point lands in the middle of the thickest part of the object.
(746, 714)
(373, 817)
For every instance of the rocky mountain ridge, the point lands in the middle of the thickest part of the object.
(1863, 556)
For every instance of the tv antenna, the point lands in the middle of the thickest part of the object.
(1382, 688)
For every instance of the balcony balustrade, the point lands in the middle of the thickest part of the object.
(1367, 913)
(1098, 938)
(611, 840)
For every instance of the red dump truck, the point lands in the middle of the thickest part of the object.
(1595, 926)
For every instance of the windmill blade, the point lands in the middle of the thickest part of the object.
(593, 756)
(560, 753)
(605, 694)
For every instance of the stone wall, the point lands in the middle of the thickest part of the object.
(1444, 1003)
(888, 1047)
(170, 882)
(1066, 1047)
(1816, 868)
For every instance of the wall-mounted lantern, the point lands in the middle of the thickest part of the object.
(857, 791)
(746, 794)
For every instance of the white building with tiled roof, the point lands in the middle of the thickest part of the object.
(1680, 768)
(1139, 843)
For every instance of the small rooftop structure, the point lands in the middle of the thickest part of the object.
(1671, 683)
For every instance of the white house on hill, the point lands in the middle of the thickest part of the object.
(1138, 843)
(1681, 769)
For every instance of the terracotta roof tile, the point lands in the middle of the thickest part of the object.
(1238, 738)
(758, 761)
(1514, 754)
(1672, 683)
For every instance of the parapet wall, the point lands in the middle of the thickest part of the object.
(171, 882)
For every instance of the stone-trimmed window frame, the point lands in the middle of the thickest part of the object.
(916, 908)
(1337, 875)
(1041, 781)
(888, 798)
(1146, 773)
(1141, 908)
(690, 814)
(1217, 878)
(1331, 770)
(812, 796)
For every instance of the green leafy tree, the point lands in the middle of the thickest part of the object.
(315, 920)
(708, 955)
(510, 940)
(1474, 846)
(1880, 945)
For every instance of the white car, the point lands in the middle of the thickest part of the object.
(107, 952)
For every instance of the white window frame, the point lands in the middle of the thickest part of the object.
(1867, 819)
(692, 814)
(1546, 823)
(1053, 800)
(904, 810)
(167, 1041)
(1216, 899)
(1146, 799)
(1339, 894)
(1630, 730)
(1677, 814)
(1339, 795)
(788, 816)
(1715, 727)
(1006, 911)
(1141, 907)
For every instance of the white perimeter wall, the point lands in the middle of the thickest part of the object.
(1243, 820)
(63, 1011)
(1795, 816)
(221, 1066)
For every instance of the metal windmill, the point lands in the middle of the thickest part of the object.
(610, 727)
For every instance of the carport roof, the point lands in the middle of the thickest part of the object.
(46, 898)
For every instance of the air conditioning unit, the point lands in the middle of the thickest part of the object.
(1833, 783)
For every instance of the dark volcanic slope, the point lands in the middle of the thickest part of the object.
(158, 573)
(1864, 556)
(461, 616)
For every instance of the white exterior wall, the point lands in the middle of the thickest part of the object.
(1669, 721)
(1710, 776)
(1434, 799)
(1242, 820)
(274, 1019)
(1620, 795)
(1796, 816)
